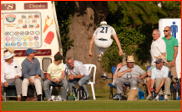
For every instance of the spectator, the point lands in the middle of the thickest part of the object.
(102, 39)
(129, 73)
(158, 47)
(172, 51)
(160, 77)
(31, 74)
(11, 50)
(77, 73)
(11, 74)
(56, 74)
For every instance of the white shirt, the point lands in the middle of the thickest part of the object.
(55, 71)
(10, 71)
(78, 69)
(104, 31)
(157, 48)
(163, 73)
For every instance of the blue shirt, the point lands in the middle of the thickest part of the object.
(30, 69)
(163, 73)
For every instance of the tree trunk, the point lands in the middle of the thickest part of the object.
(84, 20)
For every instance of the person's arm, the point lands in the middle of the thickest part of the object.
(161, 84)
(118, 43)
(141, 77)
(90, 47)
(152, 79)
(79, 76)
(175, 55)
(117, 69)
(38, 71)
(25, 70)
(19, 72)
(152, 85)
(2, 74)
(48, 77)
(122, 73)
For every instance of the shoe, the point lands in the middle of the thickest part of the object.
(99, 59)
(156, 98)
(33, 99)
(18, 98)
(148, 97)
(124, 98)
(117, 97)
(166, 98)
(58, 98)
(88, 98)
(53, 98)
(28, 99)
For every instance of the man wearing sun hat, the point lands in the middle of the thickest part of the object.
(129, 73)
(159, 76)
(10, 74)
(11, 50)
(31, 73)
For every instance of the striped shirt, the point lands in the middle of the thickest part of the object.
(78, 69)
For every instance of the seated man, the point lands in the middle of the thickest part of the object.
(77, 73)
(31, 73)
(129, 73)
(56, 74)
(160, 77)
(10, 74)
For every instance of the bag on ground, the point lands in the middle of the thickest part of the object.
(81, 94)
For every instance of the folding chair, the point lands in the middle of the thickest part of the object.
(89, 67)
(10, 91)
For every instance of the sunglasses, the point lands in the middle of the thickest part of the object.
(165, 30)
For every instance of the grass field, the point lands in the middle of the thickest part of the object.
(97, 105)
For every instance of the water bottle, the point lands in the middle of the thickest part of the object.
(104, 76)
(176, 94)
(153, 95)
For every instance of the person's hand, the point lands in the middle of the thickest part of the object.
(157, 90)
(119, 65)
(71, 77)
(54, 80)
(6, 84)
(137, 78)
(59, 80)
(172, 63)
(90, 54)
(16, 77)
(151, 89)
(129, 70)
(120, 52)
(149, 73)
(37, 77)
(31, 81)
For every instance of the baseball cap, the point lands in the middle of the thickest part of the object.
(58, 57)
(159, 60)
(103, 23)
(29, 50)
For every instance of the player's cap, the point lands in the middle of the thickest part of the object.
(103, 23)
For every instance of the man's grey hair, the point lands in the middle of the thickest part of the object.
(70, 58)
(158, 31)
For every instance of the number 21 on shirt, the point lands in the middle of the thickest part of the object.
(104, 30)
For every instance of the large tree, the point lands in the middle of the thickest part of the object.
(84, 20)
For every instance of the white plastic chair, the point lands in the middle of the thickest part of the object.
(89, 67)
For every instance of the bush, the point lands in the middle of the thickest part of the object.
(133, 42)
